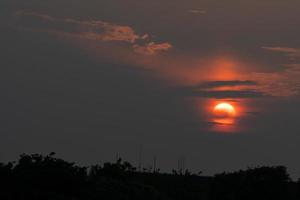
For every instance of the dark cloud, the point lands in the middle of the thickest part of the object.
(233, 83)
(225, 94)
(210, 89)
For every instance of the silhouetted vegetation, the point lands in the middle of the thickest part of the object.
(38, 177)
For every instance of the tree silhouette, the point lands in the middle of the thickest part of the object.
(257, 183)
(35, 177)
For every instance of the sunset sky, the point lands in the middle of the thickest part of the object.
(95, 78)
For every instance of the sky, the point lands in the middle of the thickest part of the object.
(98, 78)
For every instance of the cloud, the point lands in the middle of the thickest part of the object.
(282, 83)
(290, 52)
(210, 90)
(197, 11)
(96, 30)
(112, 33)
(263, 84)
(229, 94)
(232, 83)
(151, 48)
(92, 30)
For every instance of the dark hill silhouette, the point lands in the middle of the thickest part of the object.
(37, 177)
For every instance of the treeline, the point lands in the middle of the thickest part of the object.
(38, 177)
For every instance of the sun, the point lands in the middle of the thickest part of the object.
(224, 110)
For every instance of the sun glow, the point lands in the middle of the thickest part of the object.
(224, 110)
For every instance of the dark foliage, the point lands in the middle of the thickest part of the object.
(258, 183)
(36, 177)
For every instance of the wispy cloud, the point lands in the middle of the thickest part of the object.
(92, 30)
(285, 82)
(197, 11)
(290, 52)
(151, 48)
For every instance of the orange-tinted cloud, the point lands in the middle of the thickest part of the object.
(151, 48)
(92, 30)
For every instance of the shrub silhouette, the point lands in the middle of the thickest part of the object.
(257, 183)
(36, 177)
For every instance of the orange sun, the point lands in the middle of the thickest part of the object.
(224, 110)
